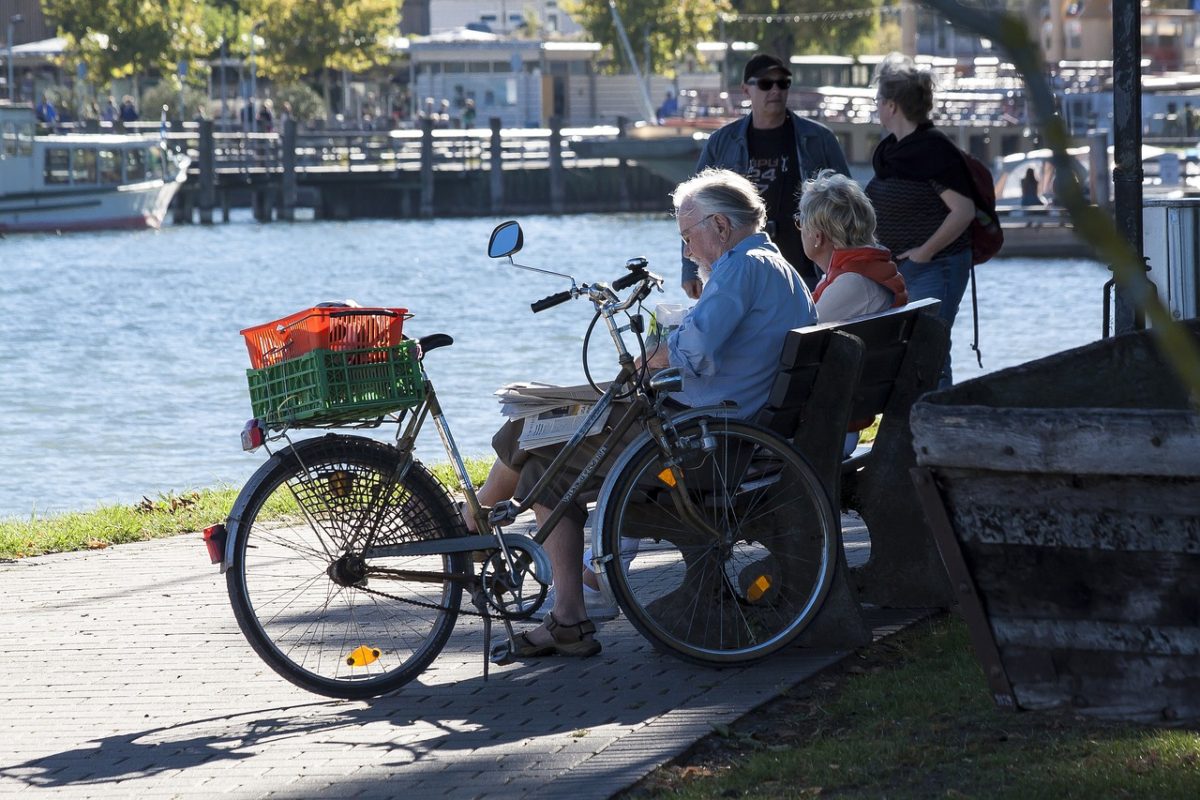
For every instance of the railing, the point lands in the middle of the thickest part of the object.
(396, 150)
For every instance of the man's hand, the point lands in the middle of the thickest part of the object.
(692, 288)
(659, 358)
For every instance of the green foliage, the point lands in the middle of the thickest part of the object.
(839, 27)
(671, 27)
(166, 93)
(303, 37)
(120, 38)
(914, 719)
(167, 515)
(305, 102)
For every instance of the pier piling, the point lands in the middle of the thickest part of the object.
(496, 167)
(426, 168)
(207, 164)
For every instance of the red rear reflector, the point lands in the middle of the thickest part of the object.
(214, 540)
(252, 435)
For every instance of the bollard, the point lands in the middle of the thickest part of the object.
(207, 173)
(496, 167)
(287, 191)
(426, 168)
(556, 167)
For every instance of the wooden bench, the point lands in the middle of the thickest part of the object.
(829, 375)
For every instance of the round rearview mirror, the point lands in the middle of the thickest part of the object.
(506, 239)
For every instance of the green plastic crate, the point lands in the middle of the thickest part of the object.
(324, 386)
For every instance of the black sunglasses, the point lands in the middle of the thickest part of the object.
(767, 84)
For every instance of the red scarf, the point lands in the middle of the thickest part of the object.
(870, 262)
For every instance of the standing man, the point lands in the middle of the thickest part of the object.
(776, 150)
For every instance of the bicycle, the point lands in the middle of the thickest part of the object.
(346, 561)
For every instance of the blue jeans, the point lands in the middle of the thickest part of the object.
(944, 278)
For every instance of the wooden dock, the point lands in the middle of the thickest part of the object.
(407, 173)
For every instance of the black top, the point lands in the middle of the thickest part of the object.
(909, 176)
(775, 171)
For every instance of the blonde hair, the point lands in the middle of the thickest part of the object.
(899, 79)
(720, 191)
(837, 207)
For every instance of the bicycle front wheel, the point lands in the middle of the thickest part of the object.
(312, 585)
(748, 585)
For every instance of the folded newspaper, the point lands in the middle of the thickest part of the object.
(552, 414)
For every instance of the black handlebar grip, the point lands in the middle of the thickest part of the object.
(622, 284)
(550, 302)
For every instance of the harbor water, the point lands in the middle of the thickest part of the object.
(122, 373)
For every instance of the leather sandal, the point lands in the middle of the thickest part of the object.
(578, 640)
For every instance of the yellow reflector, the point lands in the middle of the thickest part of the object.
(758, 588)
(362, 656)
(667, 477)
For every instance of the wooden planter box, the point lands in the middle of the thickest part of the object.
(1064, 495)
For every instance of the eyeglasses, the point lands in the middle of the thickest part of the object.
(767, 84)
(683, 234)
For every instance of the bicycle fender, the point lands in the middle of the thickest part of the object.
(598, 554)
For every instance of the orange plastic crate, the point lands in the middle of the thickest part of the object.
(335, 328)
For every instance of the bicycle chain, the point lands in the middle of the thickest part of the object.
(423, 604)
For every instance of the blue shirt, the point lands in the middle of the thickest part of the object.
(729, 343)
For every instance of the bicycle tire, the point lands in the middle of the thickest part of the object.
(294, 582)
(740, 599)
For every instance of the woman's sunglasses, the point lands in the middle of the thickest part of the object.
(767, 84)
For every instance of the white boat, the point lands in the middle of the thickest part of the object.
(82, 181)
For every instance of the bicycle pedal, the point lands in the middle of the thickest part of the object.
(501, 653)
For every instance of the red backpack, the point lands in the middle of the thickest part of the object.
(987, 237)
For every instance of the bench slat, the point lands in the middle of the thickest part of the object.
(792, 387)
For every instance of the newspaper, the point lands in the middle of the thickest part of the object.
(552, 413)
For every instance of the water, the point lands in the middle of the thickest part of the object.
(124, 374)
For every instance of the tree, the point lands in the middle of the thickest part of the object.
(784, 29)
(309, 37)
(122, 38)
(670, 27)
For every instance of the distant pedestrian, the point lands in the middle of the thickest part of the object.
(47, 114)
(468, 115)
(1029, 189)
(129, 112)
(110, 113)
(266, 116)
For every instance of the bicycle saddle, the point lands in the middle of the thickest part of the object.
(435, 340)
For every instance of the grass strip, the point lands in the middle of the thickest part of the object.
(911, 717)
(167, 515)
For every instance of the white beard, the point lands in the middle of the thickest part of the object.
(705, 272)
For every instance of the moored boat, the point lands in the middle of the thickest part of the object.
(82, 181)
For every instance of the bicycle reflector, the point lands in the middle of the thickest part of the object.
(252, 435)
(214, 540)
(362, 656)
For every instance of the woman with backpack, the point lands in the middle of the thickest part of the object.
(923, 192)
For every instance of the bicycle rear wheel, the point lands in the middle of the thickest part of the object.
(307, 581)
(750, 589)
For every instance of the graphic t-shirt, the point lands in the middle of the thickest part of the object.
(775, 171)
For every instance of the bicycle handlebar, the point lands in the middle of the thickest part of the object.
(551, 301)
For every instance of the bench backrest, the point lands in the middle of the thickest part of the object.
(885, 337)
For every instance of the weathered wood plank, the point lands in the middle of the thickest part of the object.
(1133, 686)
(1096, 441)
(1050, 583)
(1078, 512)
(1098, 636)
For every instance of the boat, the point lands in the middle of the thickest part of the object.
(82, 181)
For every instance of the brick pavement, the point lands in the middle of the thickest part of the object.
(126, 675)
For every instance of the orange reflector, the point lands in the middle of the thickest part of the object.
(756, 590)
(667, 477)
(362, 656)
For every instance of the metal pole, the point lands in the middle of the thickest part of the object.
(1127, 144)
(651, 112)
(12, 22)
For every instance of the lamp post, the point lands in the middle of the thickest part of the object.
(254, 77)
(14, 20)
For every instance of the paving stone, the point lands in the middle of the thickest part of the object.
(126, 675)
